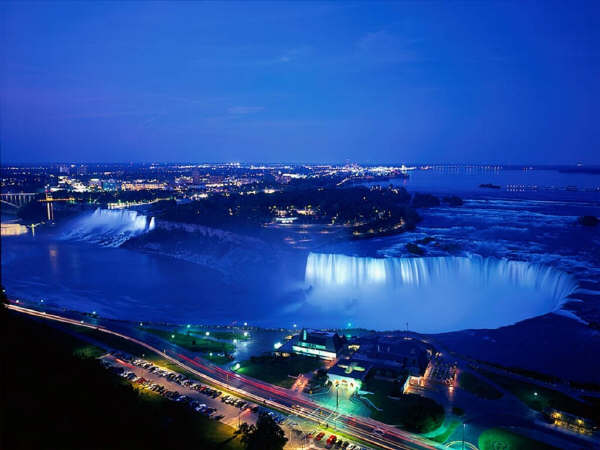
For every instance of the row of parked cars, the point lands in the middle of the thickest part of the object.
(334, 442)
(185, 382)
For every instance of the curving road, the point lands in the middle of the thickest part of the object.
(367, 430)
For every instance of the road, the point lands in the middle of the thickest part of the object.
(370, 431)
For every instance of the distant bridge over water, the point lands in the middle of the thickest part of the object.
(18, 199)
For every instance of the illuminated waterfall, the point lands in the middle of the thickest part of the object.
(433, 294)
(329, 270)
(109, 227)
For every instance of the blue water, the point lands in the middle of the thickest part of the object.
(75, 265)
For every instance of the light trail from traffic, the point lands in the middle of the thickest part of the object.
(294, 403)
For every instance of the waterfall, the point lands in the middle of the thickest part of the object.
(108, 227)
(350, 271)
(437, 293)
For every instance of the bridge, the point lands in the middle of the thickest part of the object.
(18, 199)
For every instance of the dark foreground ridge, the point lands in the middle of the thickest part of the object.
(54, 383)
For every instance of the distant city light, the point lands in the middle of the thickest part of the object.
(245, 333)
(141, 324)
(235, 341)
(172, 336)
(277, 345)
(210, 354)
(207, 333)
(535, 393)
(295, 325)
(188, 326)
(245, 324)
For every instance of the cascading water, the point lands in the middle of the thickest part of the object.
(108, 227)
(435, 294)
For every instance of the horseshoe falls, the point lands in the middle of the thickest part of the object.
(109, 227)
(434, 294)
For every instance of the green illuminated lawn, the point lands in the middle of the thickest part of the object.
(478, 387)
(497, 438)
(225, 335)
(275, 370)
(193, 343)
(443, 436)
(410, 412)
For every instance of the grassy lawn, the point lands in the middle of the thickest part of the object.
(192, 342)
(227, 335)
(443, 437)
(497, 438)
(545, 398)
(54, 385)
(478, 387)
(275, 370)
(410, 412)
(88, 351)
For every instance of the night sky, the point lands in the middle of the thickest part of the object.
(510, 82)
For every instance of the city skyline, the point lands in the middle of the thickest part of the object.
(300, 82)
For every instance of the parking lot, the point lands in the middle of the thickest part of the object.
(216, 404)
(203, 399)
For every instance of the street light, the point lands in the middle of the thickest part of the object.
(463, 436)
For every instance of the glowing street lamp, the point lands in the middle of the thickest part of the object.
(245, 334)
(207, 333)
(245, 324)
(172, 336)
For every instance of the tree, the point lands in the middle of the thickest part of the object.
(265, 435)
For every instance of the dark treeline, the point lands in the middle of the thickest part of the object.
(358, 207)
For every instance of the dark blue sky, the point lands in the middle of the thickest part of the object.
(511, 82)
